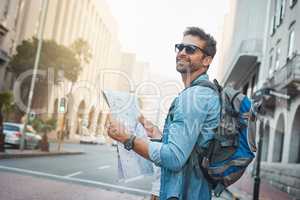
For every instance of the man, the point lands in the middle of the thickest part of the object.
(192, 117)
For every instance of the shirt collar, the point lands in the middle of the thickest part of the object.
(200, 78)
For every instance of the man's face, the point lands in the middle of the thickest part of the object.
(187, 62)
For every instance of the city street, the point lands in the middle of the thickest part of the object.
(87, 176)
(96, 169)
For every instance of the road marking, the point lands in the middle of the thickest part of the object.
(78, 180)
(104, 167)
(73, 174)
(133, 179)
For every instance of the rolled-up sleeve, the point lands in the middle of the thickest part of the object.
(154, 152)
(190, 113)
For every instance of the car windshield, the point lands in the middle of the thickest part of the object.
(11, 127)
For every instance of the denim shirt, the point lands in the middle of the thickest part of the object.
(194, 115)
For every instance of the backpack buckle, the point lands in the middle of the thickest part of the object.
(205, 162)
(219, 189)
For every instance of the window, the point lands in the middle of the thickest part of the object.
(282, 9)
(291, 45)
(292, 3)
(6, 9)
(272, 26)
(277, 56)
(253, 84)
(245, 89)
(279, 11)
(9, 127)
(271, 65)
(2, 37)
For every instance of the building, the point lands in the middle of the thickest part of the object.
(8, 31)
(242, 45)
(281, 72)
(67, 21)
(261, 49)
(79, 104)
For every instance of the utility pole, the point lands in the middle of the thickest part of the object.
(41, 29)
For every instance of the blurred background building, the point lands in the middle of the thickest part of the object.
(9, 18)
(260, 48)
(66, 21)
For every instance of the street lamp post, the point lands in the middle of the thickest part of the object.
(257, 167)
(258, 97)
(36, 64)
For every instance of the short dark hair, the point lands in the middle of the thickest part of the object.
(210, 48)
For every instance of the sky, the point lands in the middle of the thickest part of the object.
(151, 28)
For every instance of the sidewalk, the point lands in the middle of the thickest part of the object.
(244, 189)
(16, 153)
(35, 188)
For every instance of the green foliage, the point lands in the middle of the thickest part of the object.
(82, 50)
(6, 100)
(53, 56)
(43, 126)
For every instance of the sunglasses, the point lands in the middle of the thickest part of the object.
(189, 48)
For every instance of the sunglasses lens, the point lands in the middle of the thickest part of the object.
(179, 47)
(189, 49)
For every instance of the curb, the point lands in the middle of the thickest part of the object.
(239, 194)
(227, 194)
(37, 154)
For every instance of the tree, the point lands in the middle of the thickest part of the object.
(82, 50)
(53, 56)
(6, 99)
(44, 126)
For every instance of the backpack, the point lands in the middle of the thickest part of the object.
(228, 154)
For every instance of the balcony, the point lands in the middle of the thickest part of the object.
(287, 79)
(244, 60)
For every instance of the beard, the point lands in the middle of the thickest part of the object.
(185, 66)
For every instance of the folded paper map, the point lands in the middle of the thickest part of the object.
(124, 107)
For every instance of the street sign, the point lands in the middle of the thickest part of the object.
(32, 116)
(62, 105)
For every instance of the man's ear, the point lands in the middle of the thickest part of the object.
(207, 60)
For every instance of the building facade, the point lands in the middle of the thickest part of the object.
(67, 21)
(81, 103)
(261, 50)
(8, 33)
(281, 72)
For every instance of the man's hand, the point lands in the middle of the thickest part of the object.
(116, 130)
(152, 130)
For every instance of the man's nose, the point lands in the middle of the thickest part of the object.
(182, 52)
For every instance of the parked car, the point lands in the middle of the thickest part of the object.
(13, 133)
(100, 139)
(87, 139)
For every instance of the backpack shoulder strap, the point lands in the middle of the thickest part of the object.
(214, 86)
(208, 84)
